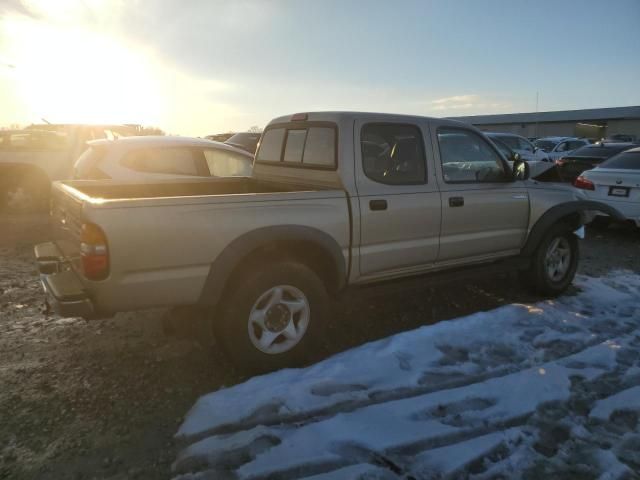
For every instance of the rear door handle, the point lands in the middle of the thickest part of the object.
(456, 201)
(377, 204)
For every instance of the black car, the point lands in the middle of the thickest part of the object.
(245, 140)
(588, 157)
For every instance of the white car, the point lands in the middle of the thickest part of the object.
(142, 159)
(536, 158)
(558, 147)
(615, 182)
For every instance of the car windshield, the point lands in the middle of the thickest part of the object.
(546, 145)
(624, 160)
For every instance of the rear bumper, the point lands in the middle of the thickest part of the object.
(64, 290)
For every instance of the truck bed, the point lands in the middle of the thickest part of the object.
(187, 188)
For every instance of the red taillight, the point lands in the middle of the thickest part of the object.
(583, 183)
(560, 162)
(94, 252)
(299, 117)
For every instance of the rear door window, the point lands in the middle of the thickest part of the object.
(393, 154)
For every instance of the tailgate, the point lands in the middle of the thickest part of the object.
(66, 222)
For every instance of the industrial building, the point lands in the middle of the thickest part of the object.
(595, 123)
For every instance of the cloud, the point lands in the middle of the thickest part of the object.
(469, 103)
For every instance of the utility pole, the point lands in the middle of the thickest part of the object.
(537, 97)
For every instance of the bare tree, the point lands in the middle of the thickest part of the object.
(255, 129)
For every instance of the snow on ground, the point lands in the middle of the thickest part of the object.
(523, 391)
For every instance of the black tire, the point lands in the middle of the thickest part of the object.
(537, 276)
(600, 222)
(232, 324)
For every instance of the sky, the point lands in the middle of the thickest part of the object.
(196, 67)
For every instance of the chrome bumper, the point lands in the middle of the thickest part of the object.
(64, 290)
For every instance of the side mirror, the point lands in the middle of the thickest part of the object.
(515, 157)
(521, 170)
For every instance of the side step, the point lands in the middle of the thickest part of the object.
(423, 280)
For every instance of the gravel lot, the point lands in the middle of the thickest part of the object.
(103, 399)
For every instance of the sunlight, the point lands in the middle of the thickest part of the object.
(74, 75)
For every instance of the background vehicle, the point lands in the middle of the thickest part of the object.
(246, 140)
(147, 158)
(336, 199)
(220, 137)
(556, 147)
(588, 157)
(32, 158)
(621, 137)
(538, 162)
(615, 182)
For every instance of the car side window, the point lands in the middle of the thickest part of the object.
(174, 161)
(223, 163)
(563, 147)
(393, 154)
(467, 158)
(575, 144)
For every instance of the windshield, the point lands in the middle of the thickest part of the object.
(624, 160)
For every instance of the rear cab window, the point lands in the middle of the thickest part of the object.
(306, 145)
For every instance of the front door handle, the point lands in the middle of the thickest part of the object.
(456, 201)
(377, 204)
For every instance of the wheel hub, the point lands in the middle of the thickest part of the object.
(277, 318)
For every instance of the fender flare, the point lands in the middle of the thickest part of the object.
(233, 254)
(558, 212)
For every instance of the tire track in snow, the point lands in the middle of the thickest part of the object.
(240, 445)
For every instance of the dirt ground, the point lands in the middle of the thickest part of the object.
(103, 399)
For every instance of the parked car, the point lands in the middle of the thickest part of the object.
(537, 160)
(245, 140)
(336, 200)
(621, 137)
(142, 159)
(616, 182)
(557, 147)
(30, 159)
(571, 166)
(220, 137)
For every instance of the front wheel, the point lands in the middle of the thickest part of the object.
(273, 317)
(554, 262)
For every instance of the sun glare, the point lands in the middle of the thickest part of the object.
(73, 75)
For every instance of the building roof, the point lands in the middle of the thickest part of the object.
(590, 114)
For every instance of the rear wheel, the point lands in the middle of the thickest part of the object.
(554, 262)
(274, 317)
(601, 222)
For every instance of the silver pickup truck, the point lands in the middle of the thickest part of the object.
(335, 200)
